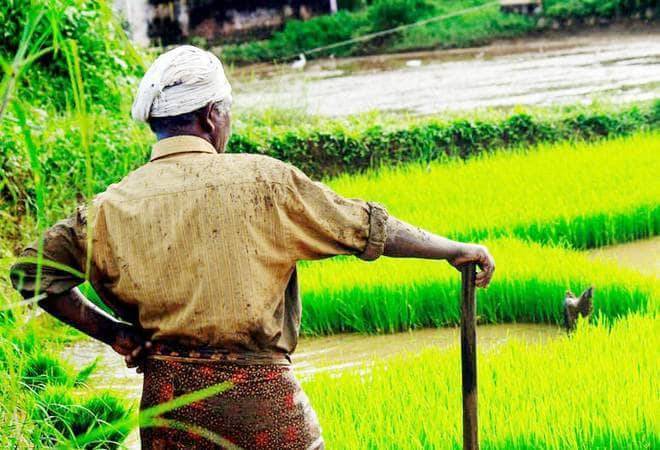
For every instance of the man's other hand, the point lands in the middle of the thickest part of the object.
(132, 345)
(479, 254)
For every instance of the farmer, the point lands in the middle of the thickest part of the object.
(196, 253)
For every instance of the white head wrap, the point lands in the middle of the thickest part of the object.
(180, 81)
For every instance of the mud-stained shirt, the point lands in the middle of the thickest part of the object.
(203, 246)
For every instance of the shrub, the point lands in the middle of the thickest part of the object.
(563, 9)
(107, 59)
(385, 14)
(299, 36)
(328, 153)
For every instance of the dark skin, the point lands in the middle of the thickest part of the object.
(129, 340)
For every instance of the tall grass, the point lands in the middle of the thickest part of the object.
(583, 195)
(529, 286)
(596, 389)
(44, 401)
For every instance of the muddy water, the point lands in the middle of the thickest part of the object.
(612, 66)
(323, 353)
(643, 256)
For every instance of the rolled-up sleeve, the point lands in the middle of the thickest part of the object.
(321, 223)
(61, 246)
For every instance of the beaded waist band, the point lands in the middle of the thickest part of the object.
(162, 350)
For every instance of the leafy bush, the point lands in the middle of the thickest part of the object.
(298, 36)
(474, 28)
(107, 59)
(385, 14)
(564, 9)
(327, 153)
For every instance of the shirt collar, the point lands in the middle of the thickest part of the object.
(180, 144)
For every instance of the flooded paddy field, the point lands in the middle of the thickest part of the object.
(345, 351)
(322, 354)
(606, 66)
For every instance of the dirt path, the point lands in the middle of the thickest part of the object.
(612, 66)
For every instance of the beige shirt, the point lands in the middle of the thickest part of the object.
(204, 245)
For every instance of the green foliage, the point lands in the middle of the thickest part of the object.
(474, 28)
(595, 389)
(385, 14)
(108, 61)
(345, 295)
(324, 153)
(564, 9)
(299, 36)
(574, 196)
(43, 396)
(70, 417)
(42, 370)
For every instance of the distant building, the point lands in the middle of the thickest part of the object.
(172, 21)
(521, 6)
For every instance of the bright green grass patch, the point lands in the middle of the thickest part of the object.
(597, 389)
(585, 195)
(529, 286)
(43, 400)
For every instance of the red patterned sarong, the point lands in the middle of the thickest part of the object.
(265, 408)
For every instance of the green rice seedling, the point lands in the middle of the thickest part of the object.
(67, 417)
(584, 195)
(42, 370)
(392, 294)
(595, 389)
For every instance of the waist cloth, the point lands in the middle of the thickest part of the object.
(263, 406)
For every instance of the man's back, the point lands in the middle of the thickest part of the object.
(205, 244)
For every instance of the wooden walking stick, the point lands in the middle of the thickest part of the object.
(469, 356)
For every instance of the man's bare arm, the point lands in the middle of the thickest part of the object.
(407, 241)
(74, 309)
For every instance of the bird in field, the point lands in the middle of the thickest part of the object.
(577, 306)
(300, 63)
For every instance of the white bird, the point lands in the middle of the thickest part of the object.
(414, 63)
(577, 306)
(300, 63)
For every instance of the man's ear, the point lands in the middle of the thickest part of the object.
(206, 121)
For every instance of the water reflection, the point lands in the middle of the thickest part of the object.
(614, 66)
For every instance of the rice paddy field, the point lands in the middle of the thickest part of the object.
(597, 389)
(68, 71)
(534, 209)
